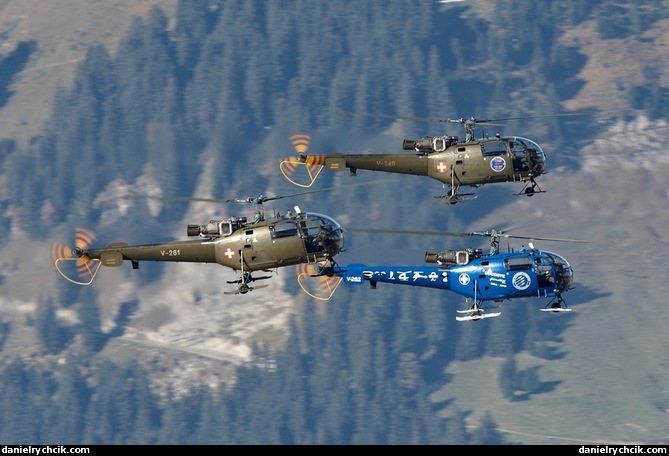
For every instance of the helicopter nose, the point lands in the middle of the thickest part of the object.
(336, 240)
(538, 159)
(331, 233)
(565, 281)
(565, 277)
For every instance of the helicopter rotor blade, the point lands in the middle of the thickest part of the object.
(488, 233)
(258, 200)
(461, 120)
(83, 239)
(315, 283)
(503, 119)
(390, 116)
(418, 232)
(262, 198)
(536, 238)
(504, 234)
(300, 142)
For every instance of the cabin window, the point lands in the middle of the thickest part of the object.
(517, 264)
(283, 229)
(494, 148)
(309, 229)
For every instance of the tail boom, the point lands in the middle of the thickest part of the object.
(190, 251)
(419, 276)
(88, 261)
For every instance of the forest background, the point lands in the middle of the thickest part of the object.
(199, 98)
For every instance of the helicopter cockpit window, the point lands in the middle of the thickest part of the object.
(544, 273)
(522, 146)
(518, 148)
(284, 229)
(494, 148)
(522, 155)
(308, 229)
(323, 233)
(563, 270)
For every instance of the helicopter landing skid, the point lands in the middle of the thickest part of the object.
(244, 281)
(476, 314)
(530, 188)
(556, 305)
(243, 289)
(454, 199)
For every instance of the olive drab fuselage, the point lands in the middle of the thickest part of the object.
(475, 163)
(281, 241)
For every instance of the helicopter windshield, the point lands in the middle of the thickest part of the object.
(529, 153)
(327, 227)
(563, 271)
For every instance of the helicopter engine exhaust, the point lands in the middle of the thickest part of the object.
(208, 229)
(453, 257)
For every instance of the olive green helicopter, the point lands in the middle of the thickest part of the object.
(247, 246)
(453, 162)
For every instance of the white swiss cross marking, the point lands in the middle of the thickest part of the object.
(442, 167)
(229, 253)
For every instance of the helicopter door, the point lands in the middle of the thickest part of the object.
(496, 163)
(287, 245)
(455, 169)
(310, 234)
(544, 273)
(253, 247)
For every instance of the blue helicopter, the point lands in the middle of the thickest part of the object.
(479, 276)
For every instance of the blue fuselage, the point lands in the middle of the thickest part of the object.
(526, 273)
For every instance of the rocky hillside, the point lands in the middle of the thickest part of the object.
(62, 30)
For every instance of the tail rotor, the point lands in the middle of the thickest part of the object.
(313, 164)
(86, 266)
(325, 285)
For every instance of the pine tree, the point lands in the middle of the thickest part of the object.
(487, 433)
